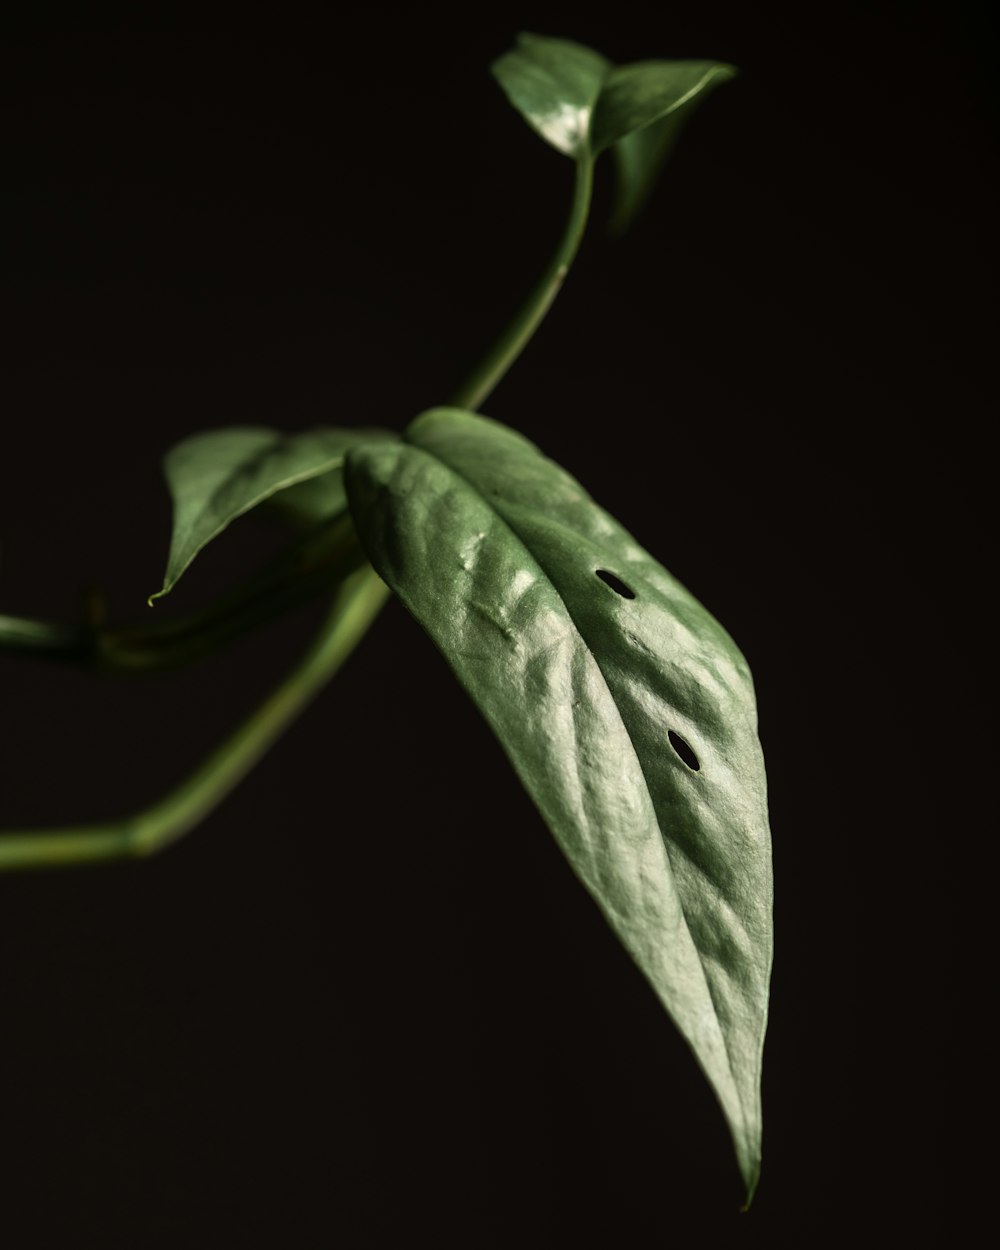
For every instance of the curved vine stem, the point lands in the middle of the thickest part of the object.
(329, 554)
(477, 388)
(314, 564)
(47, 640)
(357, 603)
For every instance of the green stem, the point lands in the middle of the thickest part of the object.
(24, 636)
(312, 565)
(476, 389)
(355, 607)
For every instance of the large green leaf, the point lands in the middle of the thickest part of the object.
(625, 708)
(217, 476)
(582, 104)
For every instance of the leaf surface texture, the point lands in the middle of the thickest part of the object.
(626, 709)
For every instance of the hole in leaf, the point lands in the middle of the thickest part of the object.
(683, 750)
(616, 584)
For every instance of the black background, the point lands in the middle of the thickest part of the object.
(366, 1002)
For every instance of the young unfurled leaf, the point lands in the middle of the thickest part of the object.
(582, 104)
(626, 709)
(217, 476)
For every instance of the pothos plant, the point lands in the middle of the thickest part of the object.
(624, 707)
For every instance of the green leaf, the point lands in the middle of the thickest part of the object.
(669, 91)
(217, 476)
(555, 85)
(582, 104)
(635, 96)
(640, 157)
(308, 503)
(600, 675)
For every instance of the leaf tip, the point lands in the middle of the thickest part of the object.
(751, 1175)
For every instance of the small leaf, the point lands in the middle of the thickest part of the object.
(625, 708)
(217, 476)
(554, 84)
(635, 96)
(582, 104)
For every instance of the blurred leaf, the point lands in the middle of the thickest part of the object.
(635, 96)
(219, 475)
(582, 104)
(554, 84)
(640, 158)
(308, 503)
